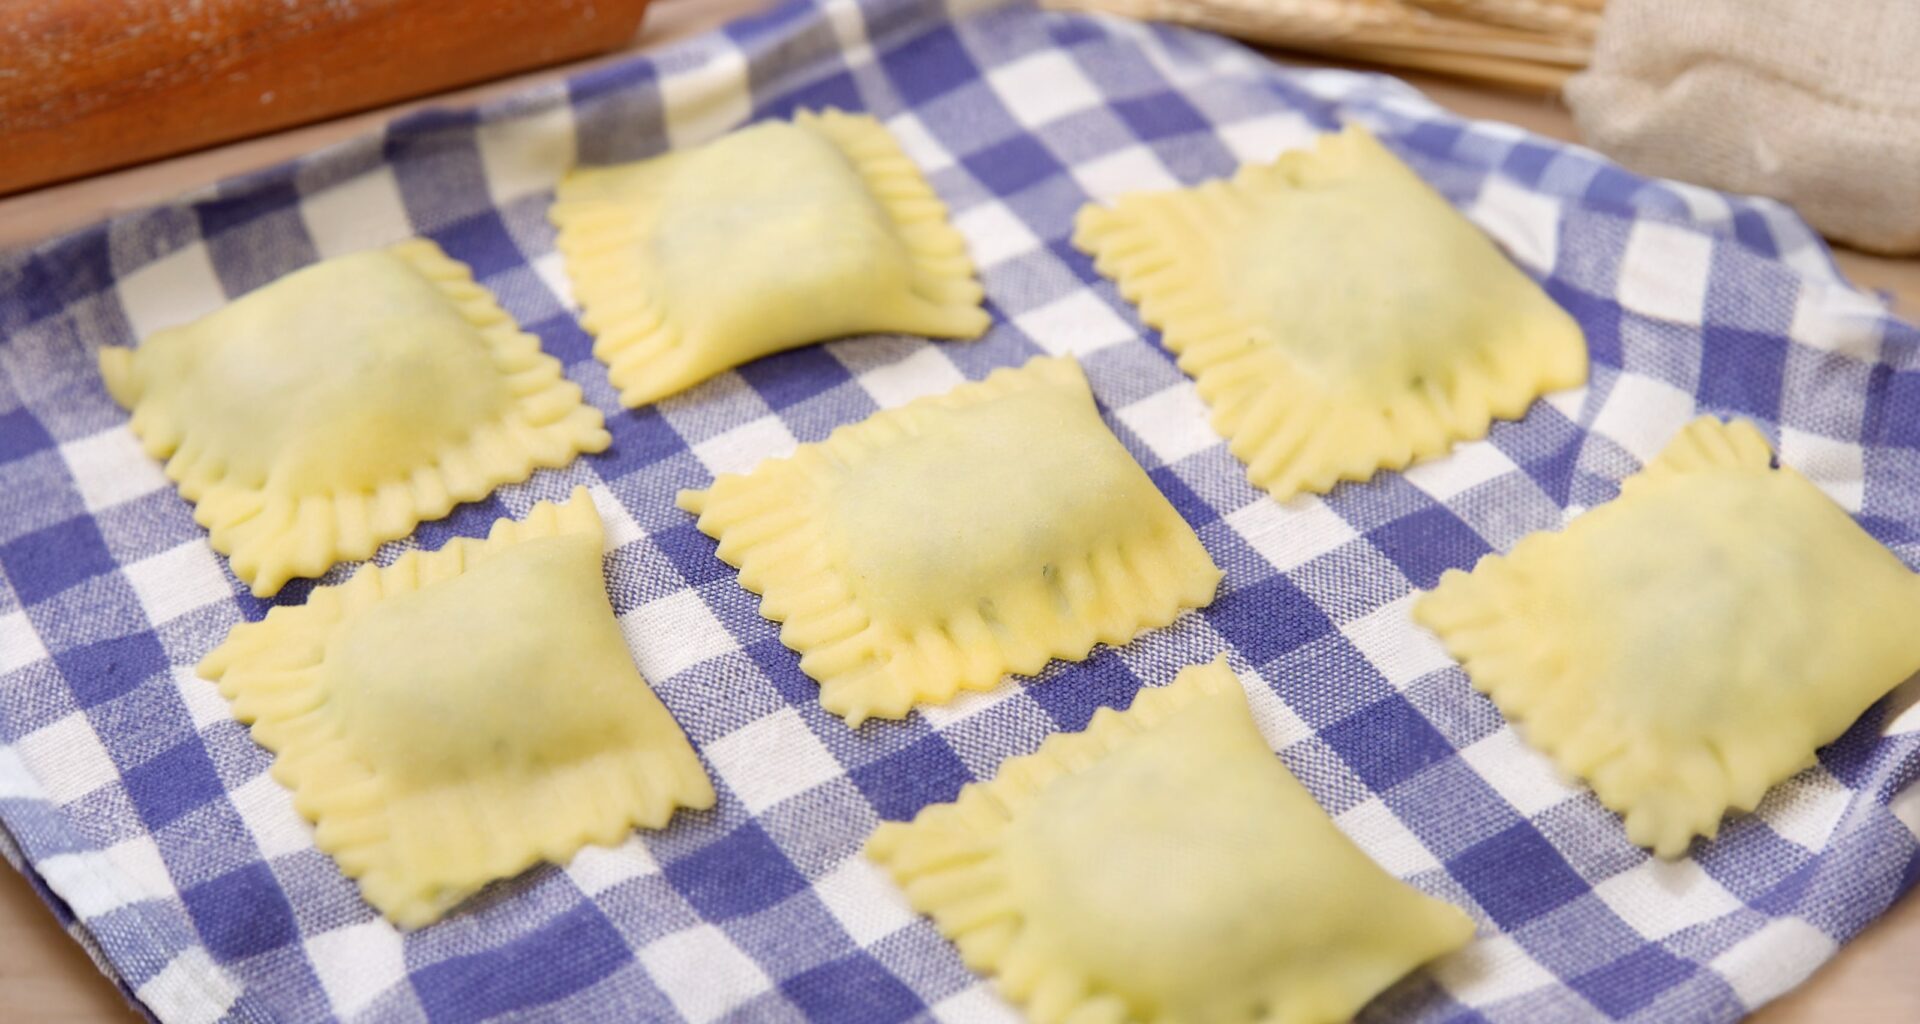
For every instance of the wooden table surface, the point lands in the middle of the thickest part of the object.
(45, 976)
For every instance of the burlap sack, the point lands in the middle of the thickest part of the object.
(1816, 103)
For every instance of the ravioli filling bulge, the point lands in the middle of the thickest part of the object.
(986, 495)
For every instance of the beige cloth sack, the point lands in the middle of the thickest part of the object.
(1815, 102)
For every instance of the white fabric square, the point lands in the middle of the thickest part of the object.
(968, 703)
(363, 212)
(1133, 169)
(1642, 414)
(204, 704)
(674, 633)
(1489, 970)
(1805, 808)
(1837, 467)
(140, 869)
(86, 881)
(615, 519)
(1659, 897)
(68, 758)
(267, 808)
(551, 269)
(1043, 86)
(1278, 723)
(110, 467)
(1524, 776)
(994, 235)
(527, 154)
(1173, 422)
(20, 644)
(595, 869)
(1465, 467)
(177, 288)
(1077, 325)
(772, 758)
(1402, 651)
(179, 580)
(1373, 827)
(703, 972)
(1906, 808)
(865, 902)
(1774, 959)
(707, 100)
(16, 781)
(1262, 139)
(1292, 534)
(918, 143)
(1838, 320)
(1568, 402)
(746, 446)
(1525, 223)
(192, 989)
(358, 963)
(1664, 272)
(925, 371)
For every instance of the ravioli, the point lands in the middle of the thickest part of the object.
(335, 409)
(1335, 312)
(1690, 644)
(775, 236)
(940, 545)
(1163, 865)
(462, 714)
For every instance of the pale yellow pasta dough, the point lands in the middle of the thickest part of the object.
(938, 546)
(1335, 312)
(462, 714)
(1164, 866)
(775, 236)
(1690, 644)
(335, 409)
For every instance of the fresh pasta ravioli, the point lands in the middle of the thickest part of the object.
(940, 545)
(1164, 866)
(462, 714)
(1691, 643)
(1335, 312)
(775, 236)
(335, 409)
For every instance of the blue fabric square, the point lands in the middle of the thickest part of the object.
(923, 772)
(1192, 507)
(693, 553)
(740, 874)
(641, 437)
(1427, 543)
(1751, 228)
(563, 338)
(1387, 742)
(1267, 619)
(788, 378)
(1624, 986)
(100, 671)
(45, 562)
(1893, 407)
(1526, 161)
(1435, 138)
(930, 66)
(838, 92)
(482, 242)
(782, 668)
(854, 989)
(241, 913)
(468, 519)
(172, 783)
(22, 435)
(1160, 116)
(1741, 371)
(1599, 320)
(58, 275)
(1516, 876)
(1013, 165)
(1613, 189)
(241, 206)
(1102, 681)
(562, 957)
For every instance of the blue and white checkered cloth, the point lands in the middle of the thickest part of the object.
(142, 811)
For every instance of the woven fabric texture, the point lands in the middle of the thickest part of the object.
(143, 812)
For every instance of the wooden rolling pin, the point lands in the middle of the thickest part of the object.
(86, 85)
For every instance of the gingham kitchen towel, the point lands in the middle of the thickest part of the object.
(144, 813)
